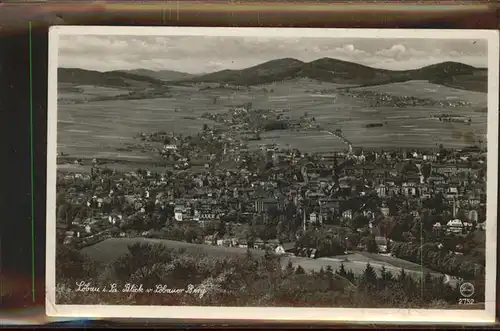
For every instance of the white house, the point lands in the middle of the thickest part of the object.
(169, 147)
(455, 226)
(280, 250)
(178, 214)
(112, 219)
(381, 190)
(242, 244)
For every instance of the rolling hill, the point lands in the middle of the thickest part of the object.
(453, 74)
(164, 75)
(108, 79)
(268, 72)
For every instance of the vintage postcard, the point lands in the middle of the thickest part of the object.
(279, 174)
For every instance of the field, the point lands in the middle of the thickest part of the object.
(98, 129)
(111, 249)
(423, 89)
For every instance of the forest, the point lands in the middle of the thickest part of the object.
(266, 281)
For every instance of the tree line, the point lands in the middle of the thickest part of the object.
(439, 260)
(242, 281)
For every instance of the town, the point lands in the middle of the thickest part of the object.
(215, 190)
(273, 171)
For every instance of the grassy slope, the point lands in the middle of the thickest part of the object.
(110, 78)
(394, 261)
(113, 248)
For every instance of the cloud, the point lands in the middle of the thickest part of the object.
(394, 51)
(349, 48)
(196, 54)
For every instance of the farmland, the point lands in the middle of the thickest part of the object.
(100, 128)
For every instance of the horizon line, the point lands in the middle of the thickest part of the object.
(277, 59)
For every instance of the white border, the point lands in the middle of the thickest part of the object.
(279, 314)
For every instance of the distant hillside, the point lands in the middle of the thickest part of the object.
(457, 75)
(451, 74)
(109, 79)
(268, 72)
(164, 75)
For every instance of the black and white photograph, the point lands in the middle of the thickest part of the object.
(262, 173)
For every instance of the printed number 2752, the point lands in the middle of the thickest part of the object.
(465, 301)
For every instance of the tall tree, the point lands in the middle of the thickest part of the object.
(299, 270)
(371, 244)
(341, 271)
(369, 275)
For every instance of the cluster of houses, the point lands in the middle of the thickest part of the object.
(385, 99)
(321, 188)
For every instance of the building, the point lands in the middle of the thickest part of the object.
(473, 216)
(385, 210)
(203, 214)
(347, 214)
(264, 205)
(409, 189)
(181, 213)
(455, 226)
(382, 244)
(381, 190)
(169, 147)
(449, 170)
(279, 250)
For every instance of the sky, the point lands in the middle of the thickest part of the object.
(197, 54)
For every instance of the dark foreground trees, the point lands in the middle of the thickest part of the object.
(237, 281)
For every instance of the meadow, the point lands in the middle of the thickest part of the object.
(100, 128)
(111, 249)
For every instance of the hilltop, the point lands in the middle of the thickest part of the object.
(452, 74)
(268, 72)
(108, 79)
